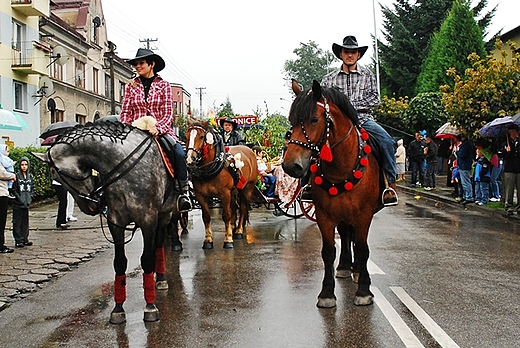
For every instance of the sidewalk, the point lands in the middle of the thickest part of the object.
(444, 195)
(55, 251)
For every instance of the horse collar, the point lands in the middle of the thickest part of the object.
(355, 175)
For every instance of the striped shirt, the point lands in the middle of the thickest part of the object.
(158, 104)
(359, 86)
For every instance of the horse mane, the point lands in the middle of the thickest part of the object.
(113, 131)
(304, 106)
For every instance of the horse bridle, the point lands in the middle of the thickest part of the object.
(212, 168)
(324, 135)
(96, 194)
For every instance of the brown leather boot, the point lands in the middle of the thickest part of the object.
(390, 195)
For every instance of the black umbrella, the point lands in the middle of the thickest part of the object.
(57, 128)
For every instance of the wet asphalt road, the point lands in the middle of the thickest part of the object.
(441, 277)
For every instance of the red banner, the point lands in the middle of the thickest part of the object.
(242, 121)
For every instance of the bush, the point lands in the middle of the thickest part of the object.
(38, 169)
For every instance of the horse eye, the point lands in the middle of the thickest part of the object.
(315, 119)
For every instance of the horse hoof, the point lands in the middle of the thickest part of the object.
(228, 245)
(117, 318)
(238, 236)
(161, 285)
(343, 273)
(355, 277)
(207, 245)
(151, 313)
(177, 247)
(326, 303)
(363, 300)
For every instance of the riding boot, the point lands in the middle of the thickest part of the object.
(390, 195)
(183, 201)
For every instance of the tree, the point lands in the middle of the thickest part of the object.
(226, 109)
(390, 114)
(490, 88)
(458, 37)
(269, 134)
(426, 112)
(312, 64)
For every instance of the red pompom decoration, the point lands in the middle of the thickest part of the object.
(367, 149)
(363, 161)
(205, 151)
(364, 136)
(318, 180)
(363, 130)
(348, 186)
(326, 153)
(333, 191)
(358, 174)
(314, 168)
(226, 148)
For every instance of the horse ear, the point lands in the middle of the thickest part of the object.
(209, 138)
(40, 156)
(316, 90)
(296, 87)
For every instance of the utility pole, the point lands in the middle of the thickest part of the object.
(110, 55)
(376, 54)
(148, 42)
(200, 95)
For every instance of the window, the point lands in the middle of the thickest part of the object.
(121, 91)
(81, 119)
(108, 86)
(79, 76)
(17, 43)
(57, 71)
(57, 116)
(95, 80)
(19, 96)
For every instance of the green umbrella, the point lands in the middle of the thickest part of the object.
(10, 120)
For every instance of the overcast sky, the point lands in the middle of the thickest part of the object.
(237, 48)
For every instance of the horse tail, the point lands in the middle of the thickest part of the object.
(242, 199)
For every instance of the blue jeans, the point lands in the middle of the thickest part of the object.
(417, 167)
(386, 144)
(269, 181)
(482, 191)
(494, 185)
(467, 187)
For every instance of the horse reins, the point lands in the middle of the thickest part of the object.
(212, 168)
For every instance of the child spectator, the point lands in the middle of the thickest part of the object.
(455, 181)
(8, 164)
(23, 191)
(268, 179)
(482, 178)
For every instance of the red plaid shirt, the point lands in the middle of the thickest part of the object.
(159, 104)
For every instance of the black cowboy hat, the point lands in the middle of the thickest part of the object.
(349, 43)
(144, 53)
(229, 120)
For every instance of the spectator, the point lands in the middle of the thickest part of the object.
(510, 152)
(416, 160)
(70, 208)
(4, 202)
(8, 164)
(465, 156)
(400, 160)
(23, 191)
(61, 217)
(444, 150)
(482, 178)
(430, 151)
(268, 179)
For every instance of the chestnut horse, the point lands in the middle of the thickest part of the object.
(226, 173)
(327, 141)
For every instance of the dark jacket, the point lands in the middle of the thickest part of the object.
(23, 187)
(431, 155)
(465, 155)
(511, 158)
(235, 138)
(416, 150)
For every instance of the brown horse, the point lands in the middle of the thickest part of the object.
(226, 173)
(327, 141)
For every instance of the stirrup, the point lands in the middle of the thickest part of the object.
(186, 205)
(393, 198)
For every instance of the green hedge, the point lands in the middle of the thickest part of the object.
(38, 169)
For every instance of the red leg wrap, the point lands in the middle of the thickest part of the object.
(160, 265)
(149, 288)
(120, 288)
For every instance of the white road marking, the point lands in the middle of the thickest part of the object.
(373, 268)
(433, 328)
(403, 331)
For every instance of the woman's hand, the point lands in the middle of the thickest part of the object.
(153, 131)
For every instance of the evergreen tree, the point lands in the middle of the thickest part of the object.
(458, 37)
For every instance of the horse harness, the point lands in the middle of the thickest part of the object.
(222, 160)
(322, 152)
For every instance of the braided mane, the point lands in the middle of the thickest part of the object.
(113, 131)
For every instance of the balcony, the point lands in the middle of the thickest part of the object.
(32, 7)
(30, 57)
